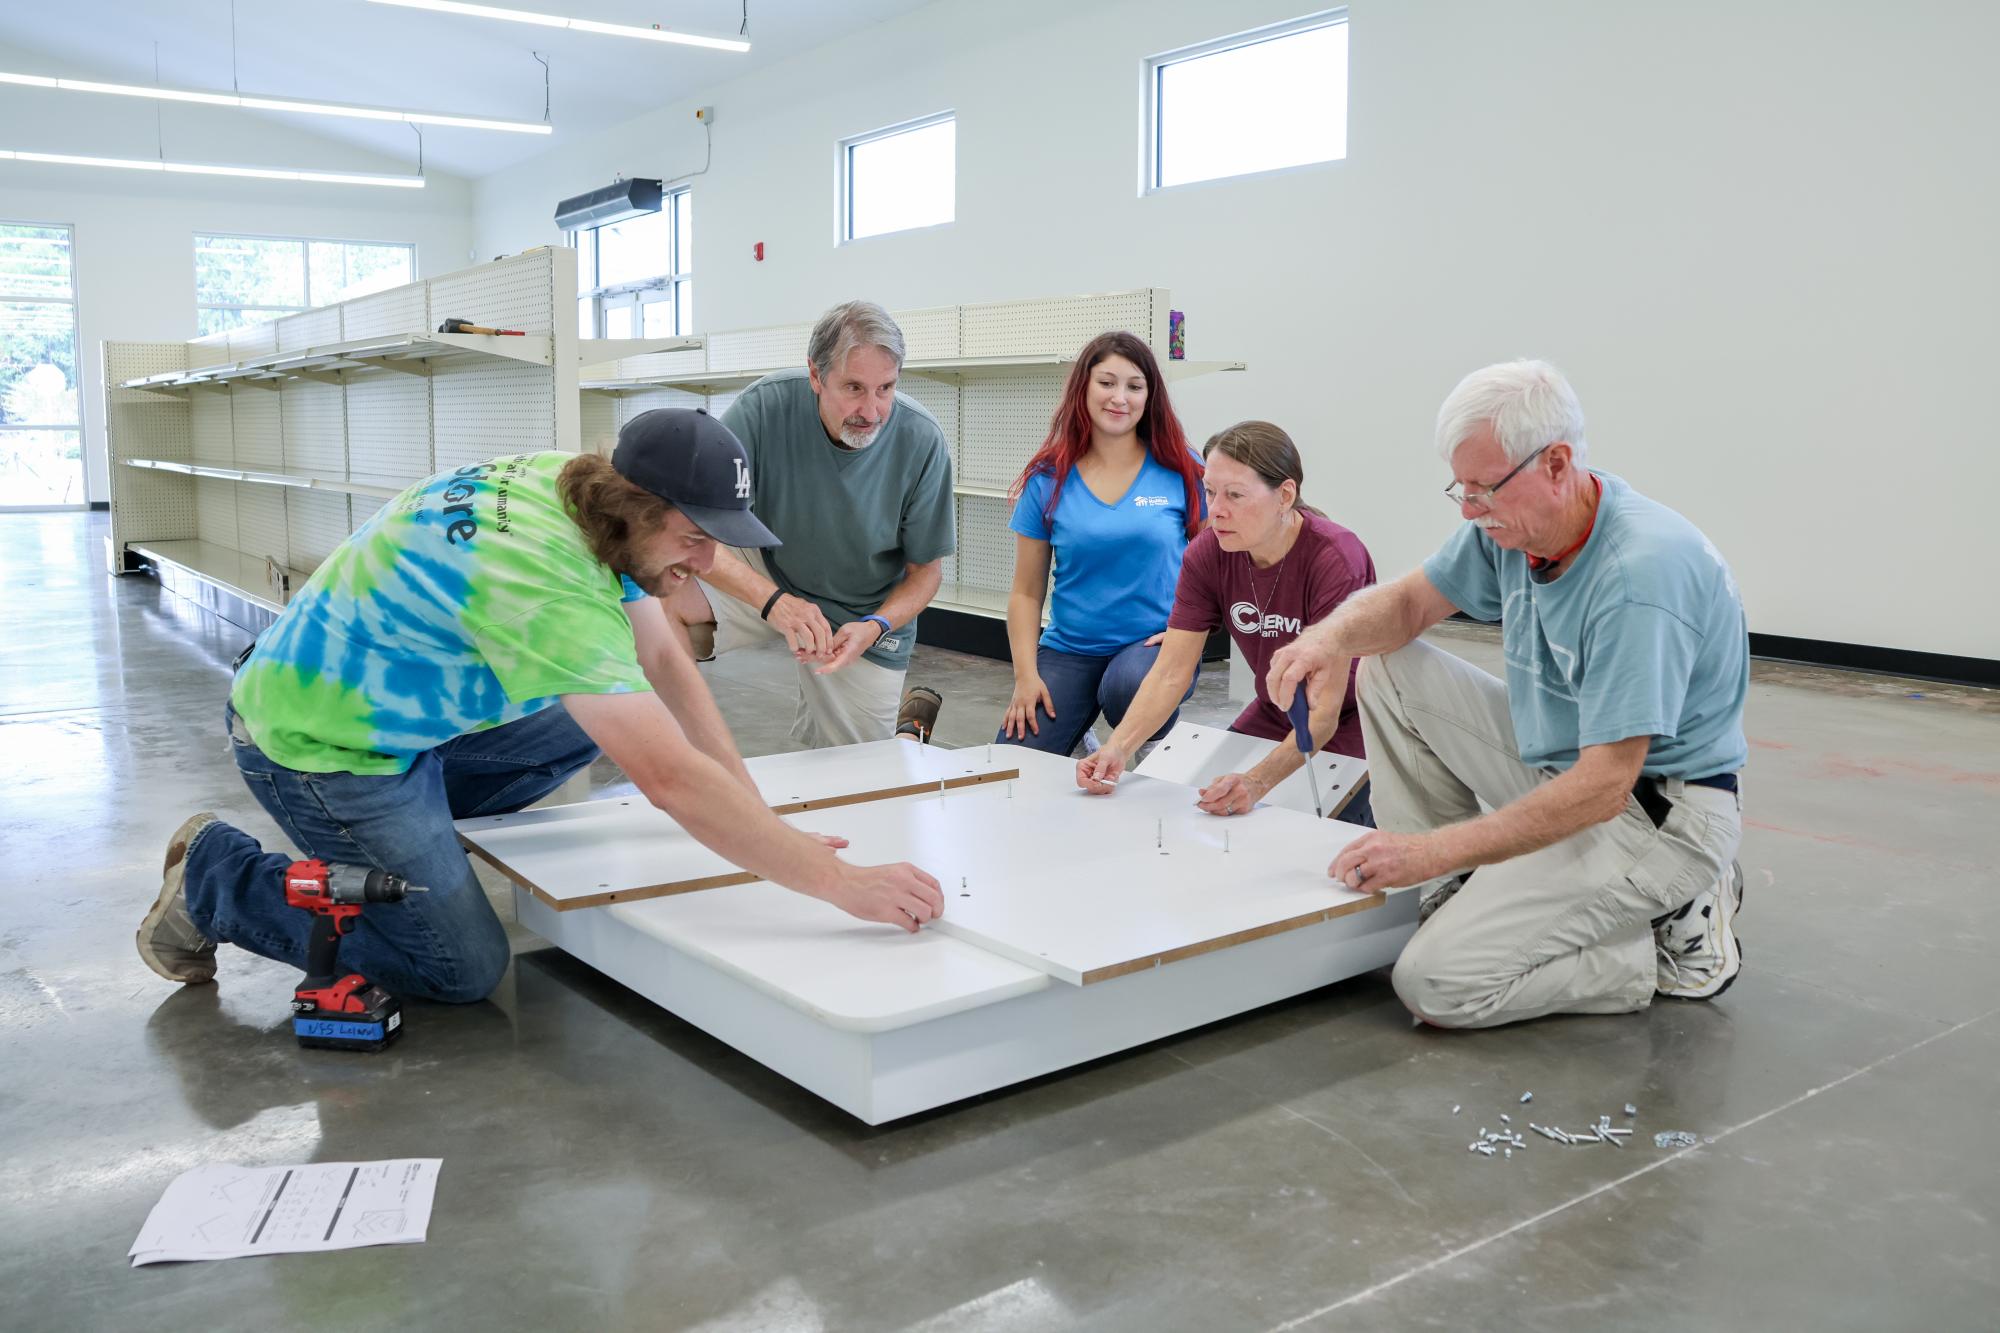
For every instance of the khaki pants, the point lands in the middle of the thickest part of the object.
(856, 703)
(1567, 929)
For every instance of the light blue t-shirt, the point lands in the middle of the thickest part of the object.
(1643, 635)
(1115, 564)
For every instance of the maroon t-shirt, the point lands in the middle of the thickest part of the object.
(1265, 609)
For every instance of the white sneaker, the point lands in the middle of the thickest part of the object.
(1696, 946)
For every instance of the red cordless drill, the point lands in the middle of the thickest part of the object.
(339, 1013)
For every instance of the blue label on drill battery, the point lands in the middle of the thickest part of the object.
(322, 1027)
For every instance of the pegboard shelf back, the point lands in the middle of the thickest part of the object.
(991, 373)
(264, 447)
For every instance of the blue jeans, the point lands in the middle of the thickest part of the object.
(443, 945)
(1080, 687)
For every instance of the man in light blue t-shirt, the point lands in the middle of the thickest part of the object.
(1606, 763)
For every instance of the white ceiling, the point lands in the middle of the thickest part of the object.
(381, 55)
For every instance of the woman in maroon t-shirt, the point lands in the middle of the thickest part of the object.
(1265, 568)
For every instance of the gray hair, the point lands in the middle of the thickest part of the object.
(850, 325)
(1529, 404)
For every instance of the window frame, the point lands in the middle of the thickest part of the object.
(663, 289)
(305, 256)
(843, 222)
(75, 304)
(1150, 146)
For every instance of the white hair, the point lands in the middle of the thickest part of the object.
(1529, 404)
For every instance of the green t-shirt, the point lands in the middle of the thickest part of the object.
(468, 601)
(850, 519)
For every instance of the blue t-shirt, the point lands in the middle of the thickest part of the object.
(1115, 564)
(1642, 635)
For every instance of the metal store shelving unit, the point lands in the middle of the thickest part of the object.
(990, 373)
(240, 460)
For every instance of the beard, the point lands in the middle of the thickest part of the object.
(656, 578)
(858, 434)
(663, 582)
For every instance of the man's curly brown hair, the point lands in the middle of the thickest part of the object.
(615, 514)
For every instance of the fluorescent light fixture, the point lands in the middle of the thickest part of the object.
(255, 103)
(208, 169)
(580, 25)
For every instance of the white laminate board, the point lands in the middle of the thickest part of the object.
(849, 974)
(594, 853)
(1196, 754)
(818, 775)
(1088, 888)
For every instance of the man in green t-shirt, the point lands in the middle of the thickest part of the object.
(478, 640)
(855, 478)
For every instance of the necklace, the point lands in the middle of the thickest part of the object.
(1277, 577)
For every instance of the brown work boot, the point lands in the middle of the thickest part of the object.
(167, 938)
(917, 718)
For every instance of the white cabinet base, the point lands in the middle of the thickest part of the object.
(1047, 1025)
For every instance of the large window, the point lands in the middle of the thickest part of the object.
(899, 178)
(1258, 101)
(241, 280)
(41, 436)
(635, 279)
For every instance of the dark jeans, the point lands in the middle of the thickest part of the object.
(1081, 687)
(446, 944)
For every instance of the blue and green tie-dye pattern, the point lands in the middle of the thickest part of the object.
(468, 601)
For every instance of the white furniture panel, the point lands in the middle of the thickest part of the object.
(1196, 754)
(598, 852)
(885, 1024)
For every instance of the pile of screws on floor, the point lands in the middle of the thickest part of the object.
(1502, 1142)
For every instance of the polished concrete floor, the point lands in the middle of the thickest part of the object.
(608, 1166)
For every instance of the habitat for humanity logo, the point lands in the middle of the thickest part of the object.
(1244, 616)
(1156, 501)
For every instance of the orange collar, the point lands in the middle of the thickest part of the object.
(1538, 563)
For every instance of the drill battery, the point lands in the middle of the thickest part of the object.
(366, 1018)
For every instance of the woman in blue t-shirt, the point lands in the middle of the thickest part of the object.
(1114, 495)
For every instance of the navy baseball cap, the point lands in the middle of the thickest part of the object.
(696, 464)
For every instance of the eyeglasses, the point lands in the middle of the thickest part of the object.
(1458, 495)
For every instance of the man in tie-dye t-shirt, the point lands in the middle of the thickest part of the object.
(485, 635)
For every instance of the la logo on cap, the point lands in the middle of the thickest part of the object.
(742, 480)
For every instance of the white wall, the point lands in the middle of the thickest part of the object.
(1758, 237)
(135, 231)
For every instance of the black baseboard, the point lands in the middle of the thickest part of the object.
(962, 632)
(986, 636)
(101, 506)
(1942, 667)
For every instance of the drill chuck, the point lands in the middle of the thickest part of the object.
(364, 884)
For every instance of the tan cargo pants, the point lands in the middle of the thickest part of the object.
(856, 703)
(1567, 929)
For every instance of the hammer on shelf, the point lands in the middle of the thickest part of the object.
(460, 326)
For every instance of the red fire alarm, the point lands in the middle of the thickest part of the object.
(757, 251)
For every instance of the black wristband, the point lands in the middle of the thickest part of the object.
(776, 593)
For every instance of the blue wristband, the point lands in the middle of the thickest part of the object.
(883, 621)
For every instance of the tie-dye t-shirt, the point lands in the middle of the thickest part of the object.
(468, 601)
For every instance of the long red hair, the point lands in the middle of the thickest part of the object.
(1069, 430)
